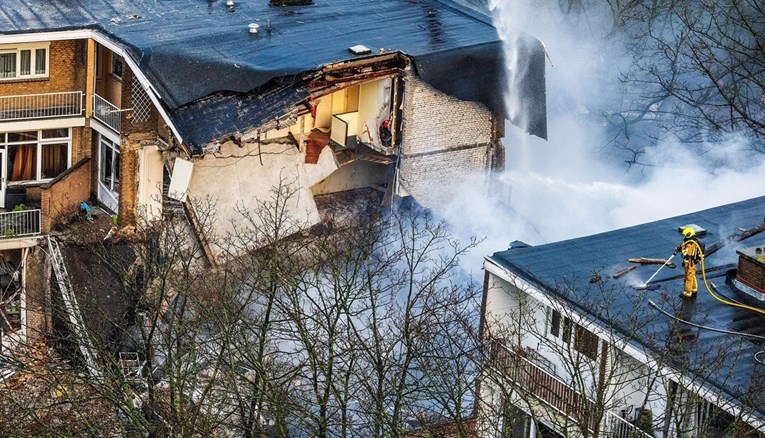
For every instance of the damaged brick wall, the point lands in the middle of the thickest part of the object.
(445, 141)
(60, 198)
(139, 129)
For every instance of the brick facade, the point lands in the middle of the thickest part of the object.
(67, 71)
(129, 168)
(444, 142)
(751, 273)
(61, 197)
(38, 300)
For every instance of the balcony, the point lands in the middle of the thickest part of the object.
(544, 386)
(106, 113)
(40, 106)
(20, 223)
(615, 426)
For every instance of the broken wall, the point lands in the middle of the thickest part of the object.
(445, 141)
(235, 177)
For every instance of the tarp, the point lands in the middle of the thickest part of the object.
(194, 49)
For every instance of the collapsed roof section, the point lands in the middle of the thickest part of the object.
(205, 63)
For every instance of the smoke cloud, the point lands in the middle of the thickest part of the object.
(577, 183)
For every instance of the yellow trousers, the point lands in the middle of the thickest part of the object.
(691, 285)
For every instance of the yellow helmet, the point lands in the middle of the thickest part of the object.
(688, 232)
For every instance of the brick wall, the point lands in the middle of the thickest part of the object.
(67, 72)
(445, 142)
(751, 273)
(38, 306)
(436, 121)
(131, 144)
(61, 197)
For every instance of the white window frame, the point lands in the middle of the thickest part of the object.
(115, 148)
(41, 142)
(32, 47)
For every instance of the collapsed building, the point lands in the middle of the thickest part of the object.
(137, 105)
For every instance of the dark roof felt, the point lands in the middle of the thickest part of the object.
(191, 49)
(723, 362)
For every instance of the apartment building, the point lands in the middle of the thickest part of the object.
(131, 104)
(580, 345)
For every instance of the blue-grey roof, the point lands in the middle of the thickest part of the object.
(725, 362)
(191, 49)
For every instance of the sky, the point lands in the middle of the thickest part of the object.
(574, 183)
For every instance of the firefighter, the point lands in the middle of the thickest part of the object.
(691, 252)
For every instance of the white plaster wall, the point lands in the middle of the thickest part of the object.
(235, 177)
(151, 172)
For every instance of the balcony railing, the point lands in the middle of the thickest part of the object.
(20, 223)
(107, 113)
(615, 426)
(546, 387)
(40, 106)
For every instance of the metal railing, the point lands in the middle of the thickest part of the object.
(544, 386)
(106, 113)
(615, 426)
(20, 223)
(41, 106)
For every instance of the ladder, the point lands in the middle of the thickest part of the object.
(76, 322)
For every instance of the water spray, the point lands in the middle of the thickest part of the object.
(645, 285)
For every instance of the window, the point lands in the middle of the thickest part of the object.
(117, 66)
(586, 342)
(563, 328)
(37, 155)
(109, 168)
(27, 61)
(558, 330)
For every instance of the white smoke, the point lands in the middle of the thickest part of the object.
(575, 183)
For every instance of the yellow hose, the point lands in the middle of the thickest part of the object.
(724, 301)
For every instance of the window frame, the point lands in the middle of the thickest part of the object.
(33, 48)
(565, 331)
(106, 143)
(116, 60)
(40, 143)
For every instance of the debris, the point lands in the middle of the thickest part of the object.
(621, 273)
(128, 229)
(652, 261)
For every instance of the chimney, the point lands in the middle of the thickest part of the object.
(751, 271)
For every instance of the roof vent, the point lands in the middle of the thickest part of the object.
(253, 28)
(290, 2)
(359, 49)
(697, 228)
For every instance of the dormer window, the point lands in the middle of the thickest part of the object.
(25, 61)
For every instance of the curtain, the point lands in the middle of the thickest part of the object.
(7, 65)
(53, 159)
(23, 163)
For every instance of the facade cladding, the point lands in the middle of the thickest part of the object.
(191, 52)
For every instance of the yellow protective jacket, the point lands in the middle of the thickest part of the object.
(690, 250)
